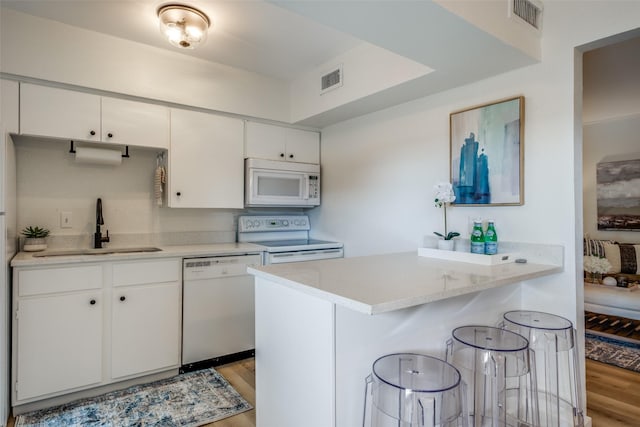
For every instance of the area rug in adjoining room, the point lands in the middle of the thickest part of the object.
(191, 399)
(613, 352)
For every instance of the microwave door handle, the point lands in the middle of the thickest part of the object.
(305, 193)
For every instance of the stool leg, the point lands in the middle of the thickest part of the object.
(532, 399)
(428, 412)
(552, 390)
(366, 417)
(574, 374)
(500, 391)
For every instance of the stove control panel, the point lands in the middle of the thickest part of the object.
(273, 223)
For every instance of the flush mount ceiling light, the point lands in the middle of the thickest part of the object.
(184, 26)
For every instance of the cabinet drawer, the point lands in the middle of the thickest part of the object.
(139, 273)
(65, 279)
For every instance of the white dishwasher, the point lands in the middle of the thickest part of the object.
(218, 310)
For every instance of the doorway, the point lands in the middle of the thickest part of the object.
(611, 132)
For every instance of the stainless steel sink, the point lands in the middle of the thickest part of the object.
(103, 251)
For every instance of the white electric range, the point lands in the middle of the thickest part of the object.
(286, 238)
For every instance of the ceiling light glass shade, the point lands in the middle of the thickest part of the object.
(184, 26)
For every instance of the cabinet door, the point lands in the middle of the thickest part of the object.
(135, 123)
(303, 146)
(9, 106)
(146, 326)
(206, 165)
(265, 141)
(59, 113)
(273, 142)
(59, 343)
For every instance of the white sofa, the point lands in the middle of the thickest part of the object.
(612, 300)
(625, 262)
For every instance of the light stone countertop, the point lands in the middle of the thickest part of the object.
(26, 259)
(382, 283)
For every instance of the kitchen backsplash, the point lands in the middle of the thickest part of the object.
(143, 239)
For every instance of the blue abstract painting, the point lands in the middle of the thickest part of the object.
(487, 153)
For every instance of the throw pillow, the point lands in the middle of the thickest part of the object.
(594, 247)
(612, 253)
(628, 259)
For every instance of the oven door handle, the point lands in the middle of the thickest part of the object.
(283, 257)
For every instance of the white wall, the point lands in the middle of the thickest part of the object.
(611, 121)
(49, 50)
(379, 169)
(611, 81)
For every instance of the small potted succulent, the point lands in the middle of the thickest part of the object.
(34, 238)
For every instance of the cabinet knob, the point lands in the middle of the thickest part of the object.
(291, 156)
(92, 133)
(110, 135)
(92, 302)
(122, 298)
(281, 154)
(178, 194)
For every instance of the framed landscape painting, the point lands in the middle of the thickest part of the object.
(487, 154)
(618, 190)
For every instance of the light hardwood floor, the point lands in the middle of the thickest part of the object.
(613, 394)
(242, 376)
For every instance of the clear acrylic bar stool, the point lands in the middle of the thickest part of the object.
(497, 366)
(414, 390)
(552, 338)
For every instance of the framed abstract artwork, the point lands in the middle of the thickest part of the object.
(487, 154)
(618, 190)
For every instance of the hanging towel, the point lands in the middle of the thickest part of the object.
(159, 180)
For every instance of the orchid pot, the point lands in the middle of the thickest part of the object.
(445, 196)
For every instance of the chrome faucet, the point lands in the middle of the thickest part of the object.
(97, 237)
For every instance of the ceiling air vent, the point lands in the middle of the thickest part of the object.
(527, 11)
(331, 80)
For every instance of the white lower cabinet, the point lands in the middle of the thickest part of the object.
(59, 343)
(146, 321)
(82, 326)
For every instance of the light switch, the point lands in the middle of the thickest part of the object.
(66, 219)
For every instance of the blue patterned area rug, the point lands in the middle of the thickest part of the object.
(612, 351)
(191, 399)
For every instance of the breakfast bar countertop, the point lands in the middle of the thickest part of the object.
(382, 283)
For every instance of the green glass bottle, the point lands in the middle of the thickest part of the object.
(490, 239)
(477, 238)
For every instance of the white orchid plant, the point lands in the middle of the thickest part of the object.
(445, 196)
(594, 264)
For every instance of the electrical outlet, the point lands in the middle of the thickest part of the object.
(66, 220)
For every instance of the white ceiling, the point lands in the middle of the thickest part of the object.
(286, 39)
(249, 34)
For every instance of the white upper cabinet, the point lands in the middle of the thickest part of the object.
(59, 113)
(206, 163)
(62, 113)
(135, 123)
(272, 142)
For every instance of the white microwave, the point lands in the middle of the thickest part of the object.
(275, 183)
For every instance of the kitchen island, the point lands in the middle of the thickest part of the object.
(320, 325)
